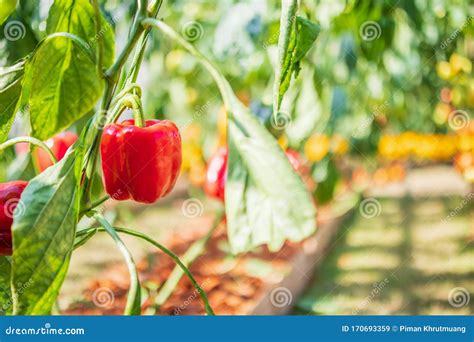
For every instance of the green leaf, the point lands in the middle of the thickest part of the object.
(6, 8)
(297, 36)
(43, 237)
(266, 201)
(10, 93)
(77, 17)
(6, 302)
(64, 86)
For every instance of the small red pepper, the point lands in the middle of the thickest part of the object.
(141, 163)
(59, 144)
(10, 194)
(216, 173)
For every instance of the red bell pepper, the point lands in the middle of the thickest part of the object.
(216, 173)
(59, 144)
(10, 194)
(141, 163)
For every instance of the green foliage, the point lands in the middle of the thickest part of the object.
(297, 36)
(65, 84)
(6, 8)
(10, 91)
(43, 237)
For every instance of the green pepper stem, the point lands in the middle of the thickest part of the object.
(133, 101)
(165, 250)
(133, 300)
(32, 141)
(191, 254)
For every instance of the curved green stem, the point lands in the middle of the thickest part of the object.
(32, 141)
(191, 254)
(133, 88)
(94, 204)
(133, 101)
(222, 83)
(165, 250)
(133, 306)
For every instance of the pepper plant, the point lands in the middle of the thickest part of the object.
(73, 76)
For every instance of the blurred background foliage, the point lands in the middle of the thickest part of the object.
(378, 69)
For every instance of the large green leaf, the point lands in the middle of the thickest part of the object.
(6, 8)
(77, 17)
(297, 35)
(266, 201)
(10, 93)
(64, 86)
(43, 237)
(6, 303)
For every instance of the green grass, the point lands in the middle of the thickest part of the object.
(404, 261)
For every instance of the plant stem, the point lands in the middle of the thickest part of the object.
(191, 254)
(165, 250)
(95, 204)
(139, 54)
(32, 141)
(134, 298)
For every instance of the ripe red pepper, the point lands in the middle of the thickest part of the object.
(216, 173)
(141, 163)
(10, 194)
(58, 144)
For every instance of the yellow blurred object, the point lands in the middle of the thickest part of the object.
(443, 70)
(339, 145)
(192, 133)
(222, 126)
(459, 63)
(437, 147)
(174, 59)
(316, 147)
(283, 142)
